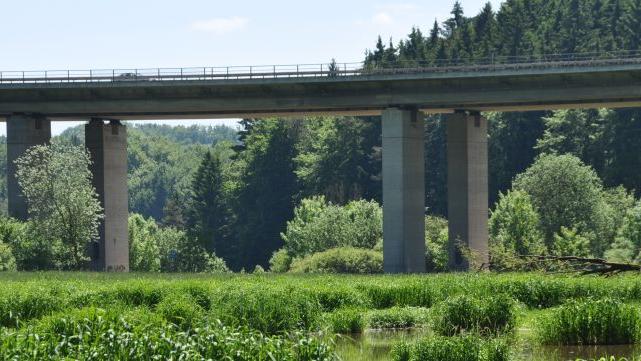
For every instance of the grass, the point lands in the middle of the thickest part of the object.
(397, 318)
(287, 314)
(459, 348)
(485, 316)
(591, 322)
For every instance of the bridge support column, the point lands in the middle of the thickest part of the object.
(467, 185)
(23, 132)
(403, 191)
(107, 145)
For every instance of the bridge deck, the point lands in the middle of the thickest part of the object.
(353, 89)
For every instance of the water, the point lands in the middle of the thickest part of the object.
(376, 345)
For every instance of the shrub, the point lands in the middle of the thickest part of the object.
(568, 242)
(7, 261)
(267, 309)
(467, 348)
(280, 262)
(590, 322)
(487, 316)
(628, 241)
(513, 227)
(180, 310)
(436, 244)
(347, 320)
(318, 226)
(341, 260)
(144, 253)
(396, 317)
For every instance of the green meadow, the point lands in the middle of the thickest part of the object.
(91, 316)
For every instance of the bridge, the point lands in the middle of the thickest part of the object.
(399, 92)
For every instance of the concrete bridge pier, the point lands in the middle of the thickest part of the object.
(403, 191)
(23, 132)
(107, 145)
(467, 184)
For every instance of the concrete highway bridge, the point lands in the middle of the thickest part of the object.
(29, 101)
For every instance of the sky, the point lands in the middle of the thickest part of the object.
(107, 34)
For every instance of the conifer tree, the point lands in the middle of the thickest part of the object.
(207, 212)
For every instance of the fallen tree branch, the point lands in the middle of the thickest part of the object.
(590, 265)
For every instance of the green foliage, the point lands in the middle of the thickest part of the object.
(465, 348)
(264, 186)
(180, 310)
(567, 193)
(590, 322)
(486, 316)
(515, 224)
(144, 252)
(346, 321)
(270, 310)
(338, 158)
(319, 226)
(7, 260)
(341, 260)
(207, 214)
(436, 244)
(626, 247)
(397, 317)
(98, 334)
(568, 242)
(63, 205)
(280, 262)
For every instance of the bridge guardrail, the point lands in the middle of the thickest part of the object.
(491, 63)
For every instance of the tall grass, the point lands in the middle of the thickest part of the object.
(590, 322)
(466, 348)
(95, 334)
(486, 316)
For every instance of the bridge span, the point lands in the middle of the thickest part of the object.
(398, 92)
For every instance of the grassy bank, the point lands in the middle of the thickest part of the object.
(294, 316)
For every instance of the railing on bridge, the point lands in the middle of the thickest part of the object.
(492, 63)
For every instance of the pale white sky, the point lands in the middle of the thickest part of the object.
(101, 34)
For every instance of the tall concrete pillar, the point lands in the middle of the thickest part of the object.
(467, 188)
(23, 132)
(107, 145)
(403, 192)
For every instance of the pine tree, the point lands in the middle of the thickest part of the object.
(456, 21)
(434, 34)
(207, 213)
(632, 25)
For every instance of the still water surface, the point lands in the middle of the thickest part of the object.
(375, 346)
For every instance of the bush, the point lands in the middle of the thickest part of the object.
(487, 316)
(348, 320)
(467, 348)
(627, 245)
(341, 260)
(267, 309)
(144, 253)
(318, 226)
(7, 261)
(280, 262)
(436, 244)
(590, 322)
(397, 317)
(514, 225)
